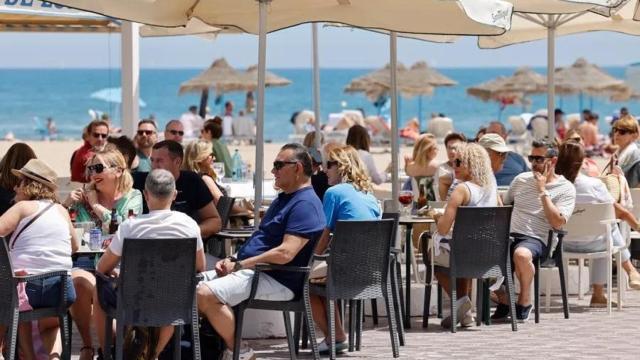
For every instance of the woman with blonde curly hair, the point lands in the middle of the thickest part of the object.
(476, 187)
(350, 197)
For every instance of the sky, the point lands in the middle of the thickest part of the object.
(291, 48)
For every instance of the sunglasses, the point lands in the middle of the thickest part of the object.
(99, 135)
(536, 159)
(331, 163)
(457, 162)
(278, 164)
(176, 132)
(622, 131)
(146, 132)
(97, 168)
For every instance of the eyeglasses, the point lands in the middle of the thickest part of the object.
(536, 159)
(176, 132)
(457, 162)
(99, 135)
(278, 164)
(146, 132)
(622, 131)
(97, 168)
(331, 164)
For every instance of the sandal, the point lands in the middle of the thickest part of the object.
(93, 352)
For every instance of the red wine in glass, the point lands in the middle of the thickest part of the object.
(405, 199)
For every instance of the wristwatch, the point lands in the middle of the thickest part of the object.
(543, 194)
(237, 265)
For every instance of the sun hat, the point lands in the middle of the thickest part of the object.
(37, 170)
(494, 142)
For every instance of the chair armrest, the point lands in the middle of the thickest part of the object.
(25, 278)
(322, 257)
(559, 232)
(396, 251)
(610, 221)
(267, 267)
(199, 277)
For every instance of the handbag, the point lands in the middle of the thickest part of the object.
(611, 181)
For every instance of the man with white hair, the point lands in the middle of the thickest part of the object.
(174, 130)
(514, 164)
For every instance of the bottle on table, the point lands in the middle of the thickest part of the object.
(236, 161)
(422, 198)
(113, 225)
(131, 214)
(73, 215)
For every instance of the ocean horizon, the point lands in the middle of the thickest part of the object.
(28, 96)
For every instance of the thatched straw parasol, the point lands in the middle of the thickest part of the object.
(582, 77)
(217, 74)
(248, 81)
(522, 83)
(370, 83)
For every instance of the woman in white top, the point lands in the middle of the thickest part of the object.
(358, 137)
(477, 187)
(43, 240)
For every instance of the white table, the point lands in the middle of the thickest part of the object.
(244, 189)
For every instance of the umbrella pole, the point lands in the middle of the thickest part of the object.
(393, 54)
(204, 98)
(130, 77)
(316, 84)
(551, 89)
(262, 56)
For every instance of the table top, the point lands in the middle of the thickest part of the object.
(85, 250)
(236, 233)
(414, 219)
(244, 189)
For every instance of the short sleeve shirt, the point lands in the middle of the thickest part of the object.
(344, 202)
(513, 165)
(156, 224)
(528, 216)
(193, 193)
(300, 214)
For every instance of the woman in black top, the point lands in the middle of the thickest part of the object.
(15, 158)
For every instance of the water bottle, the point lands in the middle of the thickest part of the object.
(95, 239)
(237, 166)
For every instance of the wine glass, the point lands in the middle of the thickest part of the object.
(218, 168)
(405, 197)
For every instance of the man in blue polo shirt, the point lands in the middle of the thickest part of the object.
(514, 164)
(286, 236)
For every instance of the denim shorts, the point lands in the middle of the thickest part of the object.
(45, 293)
(107, 293)
(537, 248)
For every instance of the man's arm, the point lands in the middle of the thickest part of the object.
(210, 222)
(552, 213)
(282, 254)
(201, 261)
(108, 262)
(323, 243)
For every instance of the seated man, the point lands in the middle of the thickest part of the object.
(513, 164)
(160, 222)
(541, 200)
(286, 236)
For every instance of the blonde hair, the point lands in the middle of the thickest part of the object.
(477, 161)
(421, 149)
(34, 190)
(627, 122)
(114, 158)
(194, 154)
(351, 168)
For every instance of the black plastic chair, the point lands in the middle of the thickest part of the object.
(550, 260)
(9, 313)
(224, 206)
(156, 287)
(300, 305)
(424, 245)
(481, 249)
(215, 245)
(360, 254)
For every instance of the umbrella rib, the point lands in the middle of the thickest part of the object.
(530, 18)
(569, 17)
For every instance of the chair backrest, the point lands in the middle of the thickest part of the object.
(224, 206)
(395, 216)
(480, 242)
(359, 261)
(586, 221)
(635, 197)
(8, 292)
(157, 281)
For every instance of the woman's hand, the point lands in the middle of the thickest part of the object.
(91, 196)
(74, 197)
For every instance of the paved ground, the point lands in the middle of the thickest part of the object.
(588, 334)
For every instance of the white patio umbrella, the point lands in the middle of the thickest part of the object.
(458, 17)
(531, 22)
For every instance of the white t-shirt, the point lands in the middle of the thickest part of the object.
(191, 123)
(528, 214)
(156, 224)
(376, 177)
(227, 126)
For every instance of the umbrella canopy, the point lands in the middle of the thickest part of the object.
(113, 95)
(218, 73)
(462, 17)
(193, 27)
(248, 81)
(371, 84)
(44, 17)
(582, 77)
(523, 82)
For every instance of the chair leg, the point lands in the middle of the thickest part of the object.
(195, 332)
(395, 295)
(487, 303)
(287, 328)
(64, 336)
(108, 338)
(609, 282)
(305, 334)
(331, 313)
(512, 298)
(439, 302)
(310, 327)
(374, 311)
(398, 274)
(454, 315)
(393, 329)
(426, 306)
(119, 340)
(580, 265)
(622, 279)
(359, 321)
(536, 291)
(547, 295)
(352, 320)
(239, 312)
(297, 328)
(479, 301)
(563, 284)
(177, 334)
(12, 334)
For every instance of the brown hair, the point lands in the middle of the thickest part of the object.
(15, 158)
(34, 190)
(570, 160)
(214, 127)
(358, 137)
(310, 139)
(627, 122)
(96, 123)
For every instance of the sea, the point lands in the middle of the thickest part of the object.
(29, 96)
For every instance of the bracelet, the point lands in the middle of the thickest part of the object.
(543, 194)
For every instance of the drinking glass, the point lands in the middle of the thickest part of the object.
(405, 197)
(218, 168)
(86, 227)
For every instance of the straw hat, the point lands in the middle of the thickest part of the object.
(494, 142)
(38, 170)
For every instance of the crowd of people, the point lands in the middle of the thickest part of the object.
(168, 189)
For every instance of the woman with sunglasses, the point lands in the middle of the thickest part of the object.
(625, 134)
(111, 187)
(422, 165)
(476, 187)
(589, 166)
(350, 197)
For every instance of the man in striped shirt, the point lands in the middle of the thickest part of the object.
(541, 200)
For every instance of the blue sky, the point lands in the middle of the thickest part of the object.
(290, 48)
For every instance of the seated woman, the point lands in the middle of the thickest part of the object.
(591, 190)
(589, 166)
(111, 187)
(358, 138)
(42, 240)
(422, 165)
(15, 158)
(350, 197)
(476, 187)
